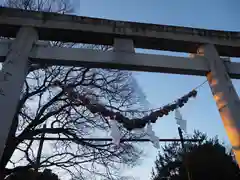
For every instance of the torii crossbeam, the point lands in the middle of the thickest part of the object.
(27, 27)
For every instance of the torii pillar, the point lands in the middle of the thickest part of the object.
(12, 76)
(226, 97)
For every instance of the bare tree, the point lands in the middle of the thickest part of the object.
(42, 103)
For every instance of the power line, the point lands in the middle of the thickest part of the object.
(110, 139)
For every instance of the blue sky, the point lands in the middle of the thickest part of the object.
(201, 113)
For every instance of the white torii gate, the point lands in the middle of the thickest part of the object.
(28, 27)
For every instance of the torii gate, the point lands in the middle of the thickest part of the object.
(28, 27)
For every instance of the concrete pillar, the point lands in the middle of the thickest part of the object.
(12, 78)
(123, 45)
(226, 98)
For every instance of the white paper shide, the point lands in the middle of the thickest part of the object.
(115, 132)
(180, 121)
(152, 137)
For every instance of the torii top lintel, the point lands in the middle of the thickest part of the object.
(70, 28)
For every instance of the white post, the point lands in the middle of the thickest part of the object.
(226, 98)
(12, 78)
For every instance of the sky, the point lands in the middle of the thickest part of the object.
(201, 113)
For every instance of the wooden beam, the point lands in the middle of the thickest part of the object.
(120, 60)
(69, 28)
